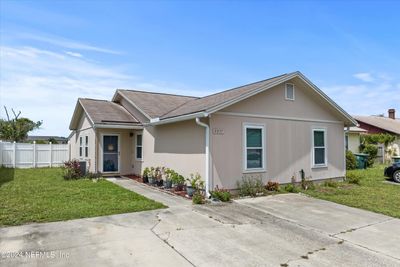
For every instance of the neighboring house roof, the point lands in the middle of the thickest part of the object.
(155, 104)
(46, 138)
(384, 123)
(355, 129)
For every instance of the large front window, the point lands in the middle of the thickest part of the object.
(319, 147)
(254, 147)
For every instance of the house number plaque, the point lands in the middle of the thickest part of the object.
(217, 131)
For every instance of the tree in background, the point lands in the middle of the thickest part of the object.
(369, 145)
(16, 129)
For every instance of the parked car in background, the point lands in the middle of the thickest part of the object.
(393, 172)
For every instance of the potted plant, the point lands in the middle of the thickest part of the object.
(168, 178)
(158, 176)
(195, 184)
(152, 176)
(178, 180)
(145, 176)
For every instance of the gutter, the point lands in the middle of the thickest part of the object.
(207, 171)
(157, 121)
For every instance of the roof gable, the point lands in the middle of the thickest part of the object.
(101, 112)
(154, 105)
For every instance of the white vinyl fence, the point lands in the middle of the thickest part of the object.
(23, 155)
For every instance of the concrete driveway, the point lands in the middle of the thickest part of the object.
(281, 230)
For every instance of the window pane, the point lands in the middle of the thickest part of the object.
(139, 140)
(80, 140)
(289, 91)
(86, 152)
(80, 151)
(139, 152)
(110, 162)
(87, 140)
(319, 138)
(253, 137)
(254, 158)
(319, 155)
(110, 144)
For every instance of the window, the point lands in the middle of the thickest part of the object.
(254, 147)
(86, 146)
(289, 91)
(319, 147)
(139, 151)
(80, 146)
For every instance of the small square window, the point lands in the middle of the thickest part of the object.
(289, 91)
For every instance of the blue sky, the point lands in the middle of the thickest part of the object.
(53, 52)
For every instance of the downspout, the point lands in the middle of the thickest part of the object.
(207, 171)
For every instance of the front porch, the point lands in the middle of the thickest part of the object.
(118, 151)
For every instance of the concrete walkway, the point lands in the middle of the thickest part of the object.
(268, 231)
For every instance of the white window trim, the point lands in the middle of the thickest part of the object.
(86, 146)
(286, 89)
(325, 147)
(80, 152)
(136, 146)
(254, 126)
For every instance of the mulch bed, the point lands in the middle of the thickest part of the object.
(161, 188)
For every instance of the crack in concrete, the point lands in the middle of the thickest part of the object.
(361, 227)
(166, 240)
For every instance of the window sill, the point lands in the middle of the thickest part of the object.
(319, 166)
(254, 171)
(139, 160)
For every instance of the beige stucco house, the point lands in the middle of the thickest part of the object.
(272, 129)
(353, 135)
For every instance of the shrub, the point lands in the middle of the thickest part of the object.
(72, 170)
(272, 186)
(195, 182)
(351, 162)
(93, 175)
(291, 188)
(372, 151)
(198, 198)
(330, 183)
(250, 186)
(353, 178)
(221, 194)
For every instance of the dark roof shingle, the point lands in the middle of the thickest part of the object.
(155, 104)
(204, 103)
(384, 123)
(103, 111)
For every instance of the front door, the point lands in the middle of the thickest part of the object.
(110, 153)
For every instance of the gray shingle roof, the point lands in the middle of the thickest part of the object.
(207, 102)
(155, 104)
(381, 122)
(103, 111)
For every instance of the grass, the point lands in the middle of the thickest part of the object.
(371, 194)
(42, 195)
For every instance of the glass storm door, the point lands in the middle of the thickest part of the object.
(110, 153)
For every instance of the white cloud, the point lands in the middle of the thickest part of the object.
(61, 42)
(45, 84)
(365, 98)
(364, 76)
(73, 54)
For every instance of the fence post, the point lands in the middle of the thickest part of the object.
(34, 154)
(51, 154)
(15, 154)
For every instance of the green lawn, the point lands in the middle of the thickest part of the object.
(372, 193)
(42, 195)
